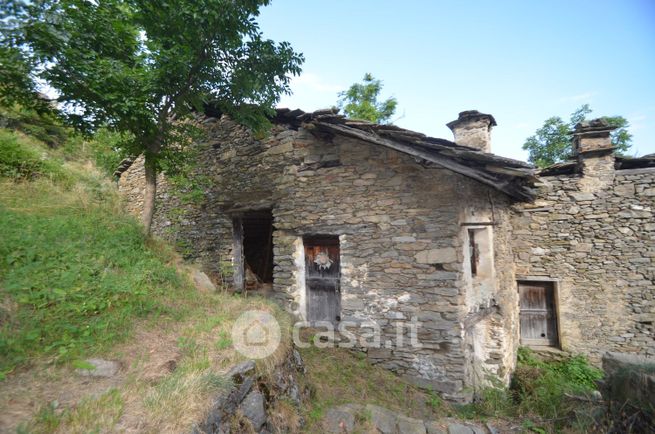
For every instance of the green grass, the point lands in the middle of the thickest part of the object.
(72, 274)
(74, 270)
(538, 394)
(337, 376)
(23, 159)
(79, 278)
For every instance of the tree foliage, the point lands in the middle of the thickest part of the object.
(552, 142)
(360, 101)
(141, 67)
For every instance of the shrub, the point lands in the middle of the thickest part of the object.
(542, 387)
(20, 161)
(105, 151)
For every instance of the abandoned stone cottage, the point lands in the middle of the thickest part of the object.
(348, 221)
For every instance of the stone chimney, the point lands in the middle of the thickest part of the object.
(473, 129)
(592, 146)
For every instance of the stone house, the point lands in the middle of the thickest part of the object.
(350, 222)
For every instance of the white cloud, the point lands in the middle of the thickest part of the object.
(587, 96)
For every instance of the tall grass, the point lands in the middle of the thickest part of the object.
(74, 270)
(541, 393)
(73, 274)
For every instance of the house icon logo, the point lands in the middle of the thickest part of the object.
(256, 334)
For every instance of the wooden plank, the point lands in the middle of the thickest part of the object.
(238, 263)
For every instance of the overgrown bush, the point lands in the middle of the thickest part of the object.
(542, 387)
(45, 127)
(20, 161)
(103, 149)
(540, 391)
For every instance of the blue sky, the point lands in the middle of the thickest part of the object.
(521, 61)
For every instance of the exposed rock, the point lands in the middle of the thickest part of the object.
(434, 427)
(341, 419)
(246, 394)
(298, 361)
(456, 428)
(385, 421)
(202, 282)
(252, 408)
(101, 368)
(409, 425)
(240, 371)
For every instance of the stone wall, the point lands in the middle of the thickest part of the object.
(403, 246)
(594, 234)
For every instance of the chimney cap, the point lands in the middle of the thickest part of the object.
(593, 128)
(471, 115)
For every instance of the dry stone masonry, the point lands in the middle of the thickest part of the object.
(592, 230)
(427, 231)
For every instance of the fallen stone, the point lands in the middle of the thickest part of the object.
(433, 427)
(238, 372)
(409, 425)
(456, 428)
(298, 361)
(341, 419)
(202, 282)
(101, 368)
(252, 408)
(384, 420)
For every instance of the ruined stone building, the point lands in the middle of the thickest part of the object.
(345, 220)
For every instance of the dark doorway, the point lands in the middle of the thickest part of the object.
(538, 314)
(258, 246)
(322, 278)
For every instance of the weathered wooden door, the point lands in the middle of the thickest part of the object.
(538, 314)
(322, 276)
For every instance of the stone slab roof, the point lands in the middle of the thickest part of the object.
(513, 177)
(570, 167)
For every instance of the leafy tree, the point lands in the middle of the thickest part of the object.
(360, 101)
(141, 67)
(552, 142)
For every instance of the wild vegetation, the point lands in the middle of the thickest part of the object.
(360, 101)
(79, 279)
(545, 396)
(140, 68)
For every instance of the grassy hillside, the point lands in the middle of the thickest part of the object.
(74, 270)
(79, 279)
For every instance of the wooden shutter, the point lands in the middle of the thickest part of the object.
(538, 313)
(322, 281)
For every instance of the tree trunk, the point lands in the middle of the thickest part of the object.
(150, 195)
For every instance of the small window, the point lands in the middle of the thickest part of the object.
(538, 314)
(474, 252)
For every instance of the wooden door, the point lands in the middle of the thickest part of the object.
(538, 313)
(322, 276)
